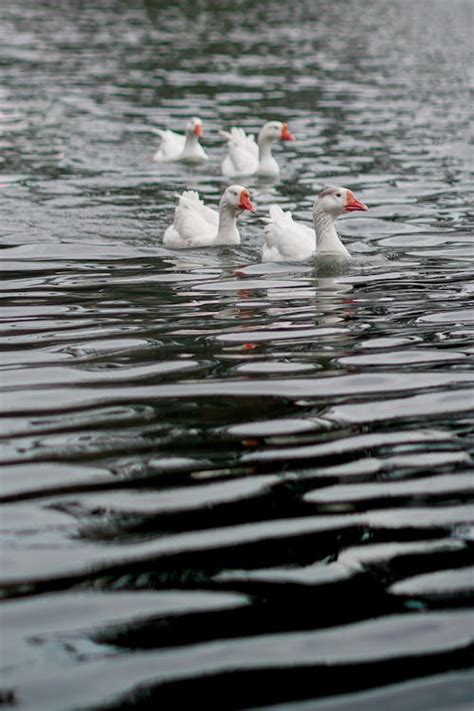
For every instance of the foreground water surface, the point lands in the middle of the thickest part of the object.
(252, 483)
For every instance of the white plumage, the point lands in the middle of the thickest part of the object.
(246, 157)
(285, 239)
(196, 225)
(242, 158)
(178, 147)
(290, 241)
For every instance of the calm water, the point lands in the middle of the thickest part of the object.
(246, 482)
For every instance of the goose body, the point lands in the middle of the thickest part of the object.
(196, 225)
(285, 239)
(179, 147)
(290, 241)
(246, 157)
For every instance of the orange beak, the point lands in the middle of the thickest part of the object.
(352, 204)
(198, 130)
(285, 134)
(245, 201)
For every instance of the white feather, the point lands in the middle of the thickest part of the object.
(172, 146)
(242, 158)
(285, 239)
(196, 225)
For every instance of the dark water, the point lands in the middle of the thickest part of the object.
(253, 487)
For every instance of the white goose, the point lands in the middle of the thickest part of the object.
(289, 241)
(196, 225)
(176, 147)
(245, 157)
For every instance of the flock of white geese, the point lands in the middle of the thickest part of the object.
(197, 225)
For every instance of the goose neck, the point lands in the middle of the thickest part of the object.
(267, 164)
(327, 239)
(190, 144)
(264, 148)
(227, 232)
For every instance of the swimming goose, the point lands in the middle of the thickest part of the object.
(196, 225)
(176, 147)
(245, 157)
(289, 241)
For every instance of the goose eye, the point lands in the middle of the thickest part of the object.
(338, 194)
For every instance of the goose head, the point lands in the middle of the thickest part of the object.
(274, 131)
(237, 199)
(335, 201)
(194, 127)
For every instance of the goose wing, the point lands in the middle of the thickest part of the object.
(171, 147)
(285, 239)
(242, 158)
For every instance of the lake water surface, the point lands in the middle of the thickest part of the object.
(229, 484)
